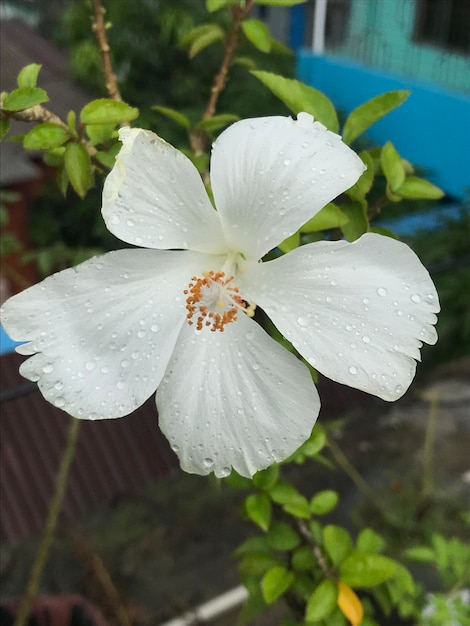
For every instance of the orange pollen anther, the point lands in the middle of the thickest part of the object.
(211, 301)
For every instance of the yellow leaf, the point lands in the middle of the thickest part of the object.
(350, 605)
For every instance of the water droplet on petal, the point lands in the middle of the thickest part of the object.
(302, 321)
(48, 369)
(124, 363)
(224, 472)
(416, 298)
(382, 292)
(154, 328)
(366, 339)
(59, 402)
(398, 389)
(353, 370)
(208, 463)
(90, 366)
(287, 161)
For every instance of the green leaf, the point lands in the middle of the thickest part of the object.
(291, 243)
(28, 76)
(202, 36)
(257, 563)
(257, 33)
(415, 188)
(299, 97)
(253, 545)
(361, 569)
(217, 121)
(275, 583)
(331, 216)
(4, 126)
(45, 136)
(369, 541)
(171, 114)
(421, 553)
(215, 5)
(370, 112)
(392, 166)
(384, 231)
(72, 122)
(24, 98)
(338, 543)
(107, 111)
(245, 62)
(108, 157)
(62, 179)
(290, 499)
(324, 502)
(258, 508)
(302, 559)
(78, 167)
(100, 133)
(267, 478)
(363, 185)
(322, 602)
(280, 3)
(281, 536)
(357, 223)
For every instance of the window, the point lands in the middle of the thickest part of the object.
(443, 24)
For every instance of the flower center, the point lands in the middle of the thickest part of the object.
(213, 301)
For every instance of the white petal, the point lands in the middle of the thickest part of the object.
(270, 175)
(235, 399)
(154, 197)
(104, 330)
(358, 312)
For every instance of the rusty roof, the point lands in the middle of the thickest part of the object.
(112, 458)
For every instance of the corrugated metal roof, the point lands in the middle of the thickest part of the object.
(112, 458)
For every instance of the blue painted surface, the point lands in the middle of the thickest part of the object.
(7, 345)
(429, 220)
(431, 129)
(297, 18)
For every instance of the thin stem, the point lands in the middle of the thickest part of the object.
(428, 451)
(95, 563)
(50, 526)
(198, 139)
(306, 535)
(99, 28)
(360, 483)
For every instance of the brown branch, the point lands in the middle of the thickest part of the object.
(198, 138)
(98, 27)
(317, 552)
(38, 113)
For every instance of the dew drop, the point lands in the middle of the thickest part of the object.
(104, 369)
(90, 366)
(47, 369)
(416, 298)
(302, 321)
(59, 386)
(59, 402)
(224, 472)
(365, 300)
(154, 328)
(366, 339)
(124, 363)
(382, 292)
(114, 219)
(120, 385)
(130, 223)
(287, 161)
(353, 370)
(399, 313)
(398, 389)
(208, 462)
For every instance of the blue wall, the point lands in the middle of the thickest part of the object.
(431, 129)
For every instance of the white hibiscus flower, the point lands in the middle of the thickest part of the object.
(178, 316)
